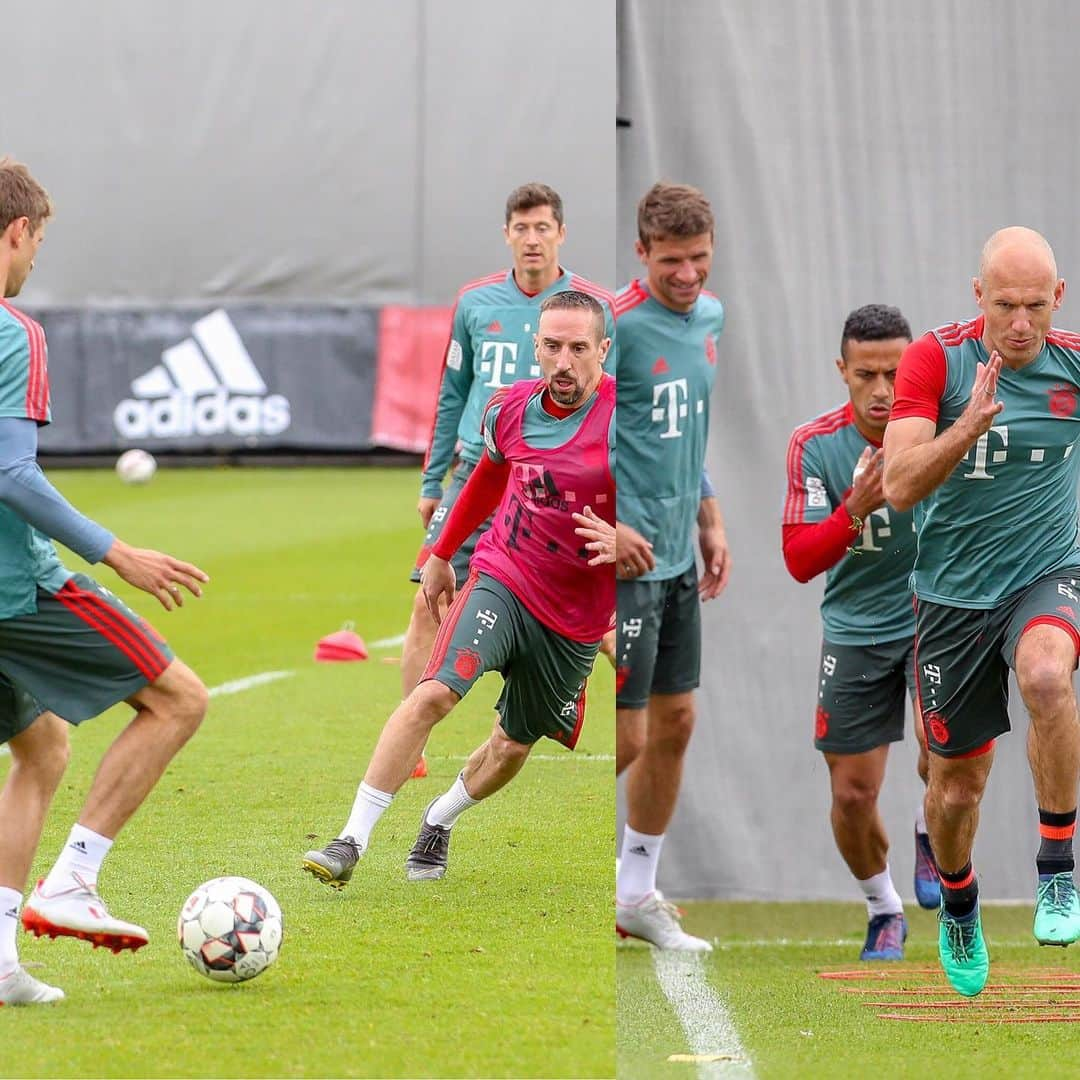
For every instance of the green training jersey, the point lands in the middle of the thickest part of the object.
(667, 367)
(27, 558)
(867, 598)
(1007, 514)
(491, 346)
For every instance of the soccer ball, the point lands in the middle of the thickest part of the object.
(230, 929)
(136, 466)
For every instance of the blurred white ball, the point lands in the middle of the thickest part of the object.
(136, 466)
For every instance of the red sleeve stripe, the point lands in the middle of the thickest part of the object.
(633, 295)
(795, 503)
(37, 380)
(954, 333)
(116, 628)
(491, 279)
(598, 292)
(1065, 338)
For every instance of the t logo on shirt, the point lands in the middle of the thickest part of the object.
(671, 403)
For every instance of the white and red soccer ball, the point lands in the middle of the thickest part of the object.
(230, 929)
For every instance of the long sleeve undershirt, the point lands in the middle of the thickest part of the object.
(25, 489)
(811, 548)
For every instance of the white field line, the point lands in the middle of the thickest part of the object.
(237, 686)
(704, 1017)
(388, 642)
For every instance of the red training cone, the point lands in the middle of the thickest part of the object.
(341, 645)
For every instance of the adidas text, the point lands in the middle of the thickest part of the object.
(212, 414)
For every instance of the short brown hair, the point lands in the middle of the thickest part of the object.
(530, 196)
(673, 211)
(21, 195)
(572, 300)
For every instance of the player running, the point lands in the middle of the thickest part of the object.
(538, 597)
(836, 521)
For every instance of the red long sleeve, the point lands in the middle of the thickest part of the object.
(812, 548)
(478, 498)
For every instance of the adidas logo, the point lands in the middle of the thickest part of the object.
(79, 846)
(641, 849)
(206, 385)
(12, 913)
(660, 367)
(495, 328)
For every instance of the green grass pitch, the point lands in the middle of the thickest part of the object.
(504, 968)
(792, 1023)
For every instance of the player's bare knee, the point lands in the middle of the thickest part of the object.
(959, 795)
(669, 730)
(855, 798)
(507, 751)
(432, 700)
(181, 698)
(1045, 683)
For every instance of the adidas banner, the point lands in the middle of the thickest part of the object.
(245, 378)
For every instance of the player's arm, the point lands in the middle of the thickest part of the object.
(453, 395)
(811, 548)
(27, 491)
(917, 461)
(712, 540)
(476, 503)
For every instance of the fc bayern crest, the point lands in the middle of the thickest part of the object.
(1063, 400)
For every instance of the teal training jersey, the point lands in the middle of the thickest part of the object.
(1007, 514)
(867, 599)
(544, 431)
(27, 558)
(491, 346)
(667, 367)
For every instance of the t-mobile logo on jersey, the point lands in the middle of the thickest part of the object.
(499, 359)
(671, 403)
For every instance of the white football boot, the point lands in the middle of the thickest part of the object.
(79, 912)
(656, 921)
(19, 987)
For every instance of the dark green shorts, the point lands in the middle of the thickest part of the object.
(81, 652)
(861, 691)
(659, 639)
(489, 629)
(460, 561)
(18, 709)
(964, 655)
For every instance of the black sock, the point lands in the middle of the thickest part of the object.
(1056, 846)
(959, 891)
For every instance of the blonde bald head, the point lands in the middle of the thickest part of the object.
(1017, 245)
(1018, 290)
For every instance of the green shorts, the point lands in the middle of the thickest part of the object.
(81, 652)
(18, 709)
(489, 629)
(659, 639)
(460, 561)
(861, 693)
(963, 657)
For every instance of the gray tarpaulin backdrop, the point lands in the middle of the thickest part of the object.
(854, 153)
(306, 161)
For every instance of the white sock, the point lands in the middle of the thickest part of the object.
(449, 806)
(881, 895)
(367, 808)
(636, 877)
(83, 854)
(10, 902)
(920, 818)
